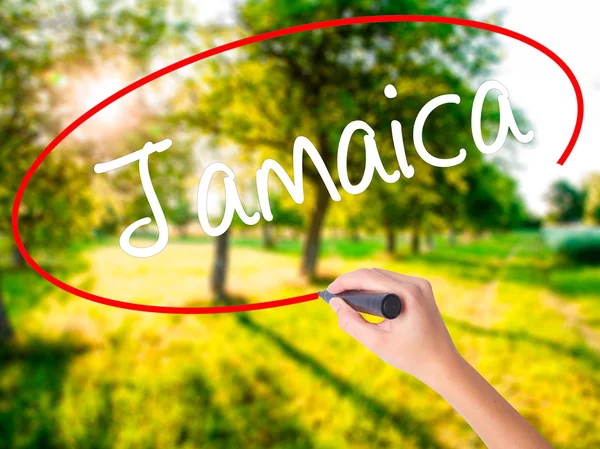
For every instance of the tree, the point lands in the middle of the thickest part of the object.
(39, 40)
(171, 178)
(219, 269)
(492, 201)
(21, 61)
(312, 84)
(434, 198)
(566, 202)
(286, 214)
(592, 198)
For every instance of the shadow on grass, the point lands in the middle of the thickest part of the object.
(582, 352)
(347, 248)
(23, 289)
(467, 267)
(264, 407)
(32, 376)
(532, 264)
(593, 323)
(573, 280)
(197, 398)
(250, 415)
(323, 279)
(403, 420)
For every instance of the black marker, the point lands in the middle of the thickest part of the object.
(385, 305)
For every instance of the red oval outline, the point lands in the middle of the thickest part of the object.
(230, 46)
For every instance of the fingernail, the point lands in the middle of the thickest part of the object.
(335, 304)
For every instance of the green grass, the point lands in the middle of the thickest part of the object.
(83, 375)
(333, 246)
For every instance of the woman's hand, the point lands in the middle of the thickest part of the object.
(417, 341)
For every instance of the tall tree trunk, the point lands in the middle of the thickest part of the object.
(267, 231)
(415, 243)
(313, 239)
(390, 245)
(430, 241)
(5, 329)
(219, 271)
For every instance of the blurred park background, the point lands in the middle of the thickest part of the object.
(520, 291)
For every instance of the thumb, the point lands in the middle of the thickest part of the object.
(352, 322)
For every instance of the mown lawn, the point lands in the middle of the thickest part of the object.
(83, 375)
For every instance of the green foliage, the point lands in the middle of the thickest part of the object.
(493, 201)
(582, 246)
(592, 199)
(58, 207)
(39, 42)
(22, 60)
(286, 213)
(42, 45)
(170, 173)
(566, 202)
(312, 84)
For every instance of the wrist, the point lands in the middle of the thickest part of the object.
(449, 369)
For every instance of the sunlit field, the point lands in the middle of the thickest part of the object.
(83, 375)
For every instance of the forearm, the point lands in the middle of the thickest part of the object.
(496, 422)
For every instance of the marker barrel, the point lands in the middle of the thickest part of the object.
(385, 305)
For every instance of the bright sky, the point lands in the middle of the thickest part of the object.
(539, 87)
(544, 93)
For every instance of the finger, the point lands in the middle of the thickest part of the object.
(420, 282)
(366, 279)
(385, 325)
(363, 279)
(352, 322)
(398, 276)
